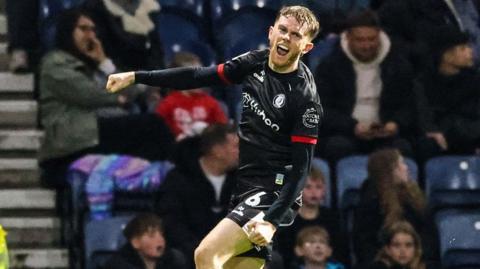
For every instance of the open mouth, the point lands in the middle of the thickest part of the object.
(282, 50)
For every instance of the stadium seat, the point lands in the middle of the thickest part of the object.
(48, 13)
(459, 233)
(322, 165)
(453, 181)
(102, 238)
(352, 172)
(321, 50)
(350, 5)
(174, 28)
(254, 42)
(201, 49)
(186, 7)
(221, 9)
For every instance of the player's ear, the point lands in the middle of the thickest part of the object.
(308, 47)
(270, 31)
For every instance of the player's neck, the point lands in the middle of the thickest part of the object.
(211, 166)
(309, 212)
(283, 69)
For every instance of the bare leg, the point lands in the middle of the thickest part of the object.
(244, 263)
(224, 242)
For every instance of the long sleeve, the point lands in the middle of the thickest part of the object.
(182, 78)
(301, 160)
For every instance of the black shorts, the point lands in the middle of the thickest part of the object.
(249, 205)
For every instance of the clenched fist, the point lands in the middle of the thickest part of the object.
(119, 81)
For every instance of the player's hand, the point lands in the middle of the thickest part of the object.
(388, 130)
(260, 233)
(119, 81)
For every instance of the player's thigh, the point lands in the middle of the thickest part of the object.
(225, 241)
(244, 263)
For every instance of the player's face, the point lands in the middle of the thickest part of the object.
(288, 41)
(83, 34)
(316, 250)
(402, 248)
(313, 193)
(150, 245)
(364, 42)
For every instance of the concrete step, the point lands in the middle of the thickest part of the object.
(13, 83)
(18, 114)
(38, 258)
(19, 173)
(27, 199)
(32, 231)
(20, 140)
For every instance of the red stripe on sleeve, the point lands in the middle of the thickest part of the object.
(304, 139)
(221, 73)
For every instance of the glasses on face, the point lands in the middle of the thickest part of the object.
(87, 28)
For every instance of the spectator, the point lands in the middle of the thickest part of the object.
(313, 247)
(313, 213)
(366, 88)
(71, 99)
(388, 196)
(184, 111)
(449, 102)
(401, 248)
(146, 247)
(196, 193)
(127, 30)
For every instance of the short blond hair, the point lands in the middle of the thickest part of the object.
(309, 232)
(302, 15)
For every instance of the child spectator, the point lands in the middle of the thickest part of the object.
(312, 213)
(389, 196)
(314, 248)
(146, 247)
(401, 248)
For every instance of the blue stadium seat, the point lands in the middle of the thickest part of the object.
(453, 181)
(321, 50)
(174, 28)
(350, 5)
(48, 13)
(254, 42)
(322, 165)
(221, 9)
(187, 7)
(201, 49)
(102, 238)
(352, 172)
(459, 233)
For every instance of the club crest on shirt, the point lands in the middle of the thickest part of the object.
(310, 118)
(279, 100)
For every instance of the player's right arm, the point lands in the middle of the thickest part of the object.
(185, 78)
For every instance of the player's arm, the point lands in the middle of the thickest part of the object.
(302, 154)
(182, 78)
(261, 232)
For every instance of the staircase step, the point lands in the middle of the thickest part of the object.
(16, 83)
(34, 232)
(19, 173)
(18, 113)
(38, 258)
(27, 199)
(20, 140)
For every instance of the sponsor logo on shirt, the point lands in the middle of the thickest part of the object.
(310, 118)
(260, 77)
(250, 102)
(279, 100)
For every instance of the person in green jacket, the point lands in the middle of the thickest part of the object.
(73, 102)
